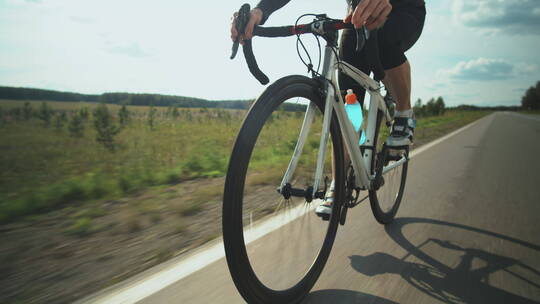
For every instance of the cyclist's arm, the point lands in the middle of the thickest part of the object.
(269, 6)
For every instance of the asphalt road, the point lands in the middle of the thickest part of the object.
(468, 231)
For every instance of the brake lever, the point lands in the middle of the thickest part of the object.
(241, 21)
(362, 35)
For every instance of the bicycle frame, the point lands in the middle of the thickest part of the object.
(334, 103)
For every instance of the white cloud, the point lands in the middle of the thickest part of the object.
(481, 69)
(518, 17)
(526, 68)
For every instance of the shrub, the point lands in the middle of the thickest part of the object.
(45, 114)
(124, 115)
(80, 227)
(106, 130)
(206, 162)
(531, 99)
(76, 126)
(172, 177)
(27, 111)
(434, 107)
(152, 117)
(125, 184)
(175, 113)
(128, 182)
(58, 122)
(84, 113)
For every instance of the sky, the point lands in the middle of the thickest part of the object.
(481, 52)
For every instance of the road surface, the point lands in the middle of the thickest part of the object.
(468, 231)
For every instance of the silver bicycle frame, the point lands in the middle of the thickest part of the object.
(334, 102)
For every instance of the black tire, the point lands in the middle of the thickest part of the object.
(385, 200)
(242, 272)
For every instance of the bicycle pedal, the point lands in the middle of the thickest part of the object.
(323, 216)
(395, 153)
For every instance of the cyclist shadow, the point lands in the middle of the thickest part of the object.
(461, 284)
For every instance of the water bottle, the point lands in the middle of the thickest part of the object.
(354, 112)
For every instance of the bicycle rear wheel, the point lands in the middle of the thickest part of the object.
(283, 265)
(386, 198)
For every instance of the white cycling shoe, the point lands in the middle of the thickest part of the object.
(402, 132)
(324, 210)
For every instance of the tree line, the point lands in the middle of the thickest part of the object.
(135, 99)
(434, 107)
(531, 99)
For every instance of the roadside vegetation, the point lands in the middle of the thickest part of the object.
(91, 194)
(57, 153)
(531, 100)
(60, 153)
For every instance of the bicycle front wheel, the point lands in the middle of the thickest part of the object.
(276, 248)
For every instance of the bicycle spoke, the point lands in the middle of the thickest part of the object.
(283, 257)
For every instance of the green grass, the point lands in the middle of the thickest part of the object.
(80, 227)
(190, 209)
(43, 169)
(532, 112)
(429, 128)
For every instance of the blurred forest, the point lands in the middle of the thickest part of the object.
(13, 93)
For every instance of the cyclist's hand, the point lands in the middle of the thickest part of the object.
(254, 19)
(371, 13)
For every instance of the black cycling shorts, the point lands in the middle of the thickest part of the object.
(399, 33)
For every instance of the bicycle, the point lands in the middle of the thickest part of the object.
(254, 169)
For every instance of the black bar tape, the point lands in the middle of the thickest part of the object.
(252, 63)
(281, 31)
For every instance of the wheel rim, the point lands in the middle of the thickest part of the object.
(281, 259)
(390, 191)
(388, 195)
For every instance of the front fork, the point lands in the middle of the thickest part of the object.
(310, 192)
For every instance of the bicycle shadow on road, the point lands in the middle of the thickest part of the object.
(461, 284)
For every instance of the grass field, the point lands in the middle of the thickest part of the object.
(44, 168)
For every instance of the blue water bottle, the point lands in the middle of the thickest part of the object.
(354, 112)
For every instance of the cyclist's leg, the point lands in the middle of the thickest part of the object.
(400, 33)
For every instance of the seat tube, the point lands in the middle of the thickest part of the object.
(370, 130)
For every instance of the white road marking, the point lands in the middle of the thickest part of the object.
(152, 281)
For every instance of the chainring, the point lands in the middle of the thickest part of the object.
(351, 190)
